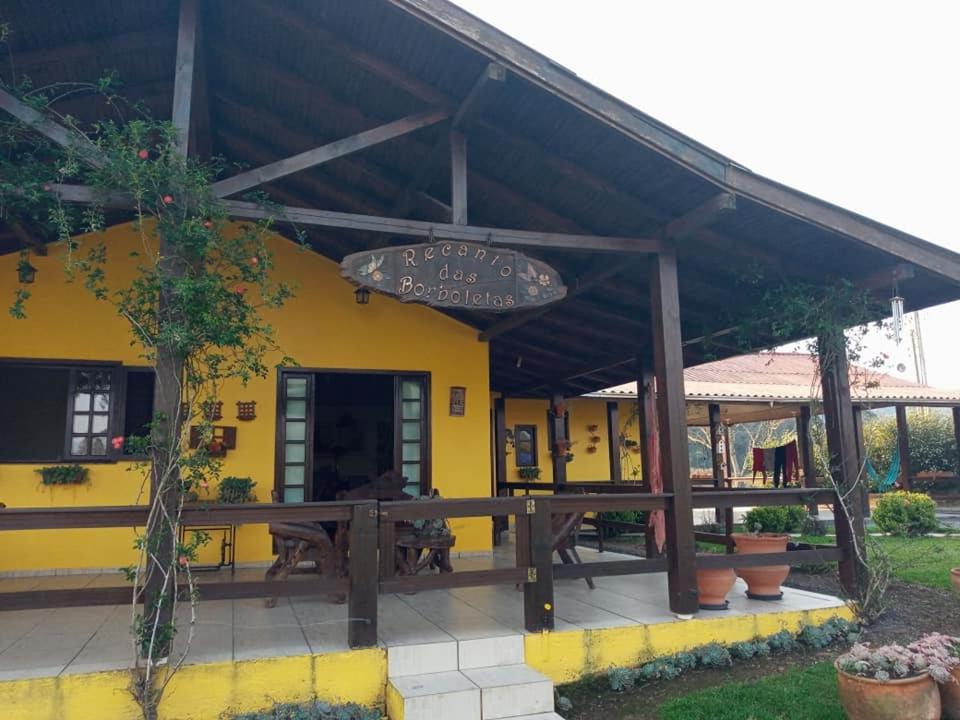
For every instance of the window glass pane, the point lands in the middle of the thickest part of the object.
(81, 402)
(296, 430)
(101, 402)
(99, 445)
(296, 408)
(78, 446)
(411, 471)
(411, 451)
(411, 409)
(411, 431)
(523, 435)
(293, 495)
(296, 452)
(410, 389)
(138, 404)
(34, 417)
(81, 424)
(413, 490)
(99, 423)
(296, 387)
(293, 475)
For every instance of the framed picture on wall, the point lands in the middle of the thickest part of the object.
(458, 401)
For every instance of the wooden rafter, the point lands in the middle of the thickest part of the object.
(183, 77)
(458, 176)
(60, 134)
(463, 233)
(330, 151)
(676, 230)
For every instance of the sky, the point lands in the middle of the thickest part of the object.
(854, 102)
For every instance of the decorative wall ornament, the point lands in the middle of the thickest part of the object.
(458, 401)
(246, 410)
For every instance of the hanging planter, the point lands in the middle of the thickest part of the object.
(63, 475)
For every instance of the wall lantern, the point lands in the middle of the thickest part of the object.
(26, 272)
(362, 295)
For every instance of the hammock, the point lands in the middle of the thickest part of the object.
(892, 474)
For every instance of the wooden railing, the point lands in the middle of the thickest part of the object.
(372, 528)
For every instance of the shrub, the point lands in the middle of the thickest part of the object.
(782, 519)
(906, 513)
(627, 516)
(313, 711)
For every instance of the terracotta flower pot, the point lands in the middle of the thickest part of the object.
(955, 579)
(713, 584)
(763, 581)
(916, 698)
(950, 692)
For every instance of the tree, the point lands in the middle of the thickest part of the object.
(932, 442)
(194, 309)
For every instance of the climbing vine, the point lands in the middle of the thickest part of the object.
(194, 307)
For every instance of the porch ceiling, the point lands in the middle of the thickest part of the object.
(546, 152)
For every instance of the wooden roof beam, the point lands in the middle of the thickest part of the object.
(674, 231)
(183, 77)
(61, 135)
(463, 233)
(328, 152)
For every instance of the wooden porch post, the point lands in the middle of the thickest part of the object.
(842, 449)
(728, 452)
(805, 451)
(956, 434)
(903, 442)
(672, 421)
(613, 440)
(716, 462)
(649, 440)
(559, 425)
(500, 524)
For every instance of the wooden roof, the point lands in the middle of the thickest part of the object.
(547, 151)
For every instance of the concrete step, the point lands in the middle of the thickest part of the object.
(512, 691)
(491, 652)
(422, 659)
(433, 696)
(538, 716)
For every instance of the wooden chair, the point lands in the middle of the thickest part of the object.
(416, 551)
(566, 529)
(296, 542)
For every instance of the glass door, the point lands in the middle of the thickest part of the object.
(296, 437)
(411, 447)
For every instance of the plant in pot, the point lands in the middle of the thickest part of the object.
(63, 475)
(769, 528)
(941, 655)
(530, 472)
(891, 682)
(234, 490)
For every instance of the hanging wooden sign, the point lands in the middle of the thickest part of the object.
(461, 275)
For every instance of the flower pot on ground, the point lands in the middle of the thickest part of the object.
(940, 655)
(713, 584)
(950, 696)
(763, 581)
(868, 699)
(955, 579)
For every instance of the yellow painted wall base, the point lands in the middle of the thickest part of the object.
(571, 655)
(204, 692)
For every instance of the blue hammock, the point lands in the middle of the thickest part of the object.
(892, 474)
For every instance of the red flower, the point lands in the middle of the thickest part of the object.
(143, 154)
(240, 290)
(254, 260)
(117, 442)
(167, 199)
(184, 560)
(47, 187)
(208, 224)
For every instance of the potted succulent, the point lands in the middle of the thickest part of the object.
(891, 682)
(769, 528)
(941, 655)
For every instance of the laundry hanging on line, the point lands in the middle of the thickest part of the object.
(782, 461)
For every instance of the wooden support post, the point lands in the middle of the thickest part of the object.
(613, 441)
(364, 582)
(561, 443)
(183, 77)
(672, 422)
(844, 470)
(716, 462)
(650, 443)
(731, 471)
(956, 435)
(805, 451)
(903, 442)
(458, 176)
(500, 524)
(537, 536)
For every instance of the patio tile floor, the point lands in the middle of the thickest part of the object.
(35, 643)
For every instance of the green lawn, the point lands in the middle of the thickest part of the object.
(924, 561)
(798, 694)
